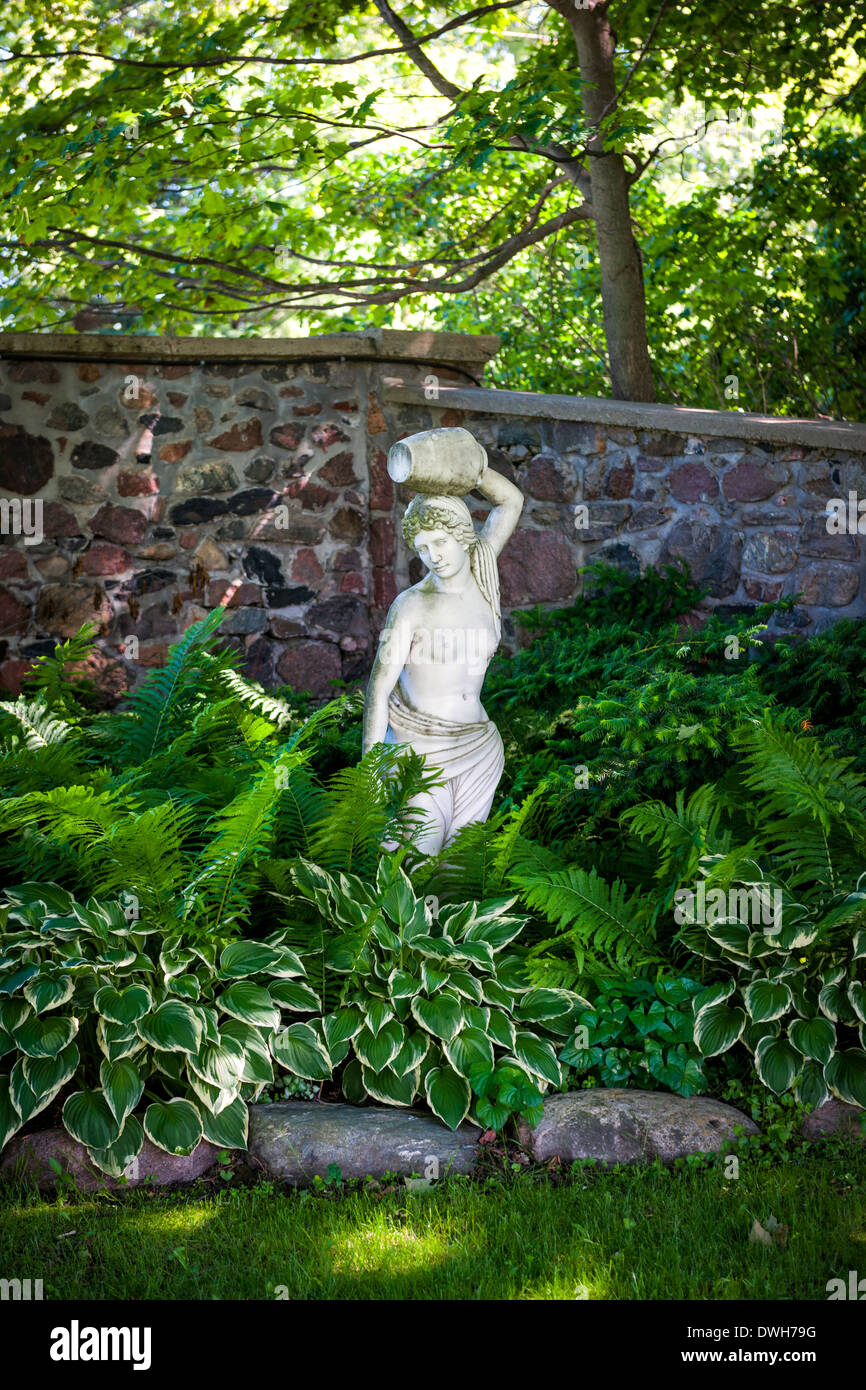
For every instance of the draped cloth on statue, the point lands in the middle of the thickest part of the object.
(470, 756)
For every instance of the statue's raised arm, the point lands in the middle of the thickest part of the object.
(439, 636)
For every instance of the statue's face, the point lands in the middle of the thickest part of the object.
(441, 552)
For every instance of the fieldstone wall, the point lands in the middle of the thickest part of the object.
(178, 475)
(743, 499)
(168, 487)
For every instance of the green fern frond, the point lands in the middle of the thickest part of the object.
(38, 724)
(153, 703)
(594, 915)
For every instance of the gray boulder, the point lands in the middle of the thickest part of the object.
(298, 1140)
(623, 1126)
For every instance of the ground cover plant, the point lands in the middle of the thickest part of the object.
(199, 911)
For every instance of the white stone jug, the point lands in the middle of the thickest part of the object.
(445, 462)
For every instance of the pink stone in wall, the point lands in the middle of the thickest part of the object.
(103, 558)
(353, 583)
(375, 419)
(537, 567)
(543, 480)
(382, 541)
(232, 593)
(325, 436)
(309, 665)
(339, 471)
(173, 453)
(122, 525)
(14, 615)
(693, 482)
(751, 480)
(306, 568)
(12, 563)
(58, 521)
(137, 482)
(311, 495)
(240, 437)
(12, 674)
(384, 588)
(381, 486)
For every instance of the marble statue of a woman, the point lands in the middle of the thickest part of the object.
(439, 636)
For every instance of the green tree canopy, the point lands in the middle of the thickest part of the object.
(571, 175)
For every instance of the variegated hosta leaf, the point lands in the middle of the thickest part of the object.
(717, 1027)
(777, 1063)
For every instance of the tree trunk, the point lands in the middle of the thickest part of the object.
(622, 288)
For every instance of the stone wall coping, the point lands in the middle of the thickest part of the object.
(386, 344)
(735, 424)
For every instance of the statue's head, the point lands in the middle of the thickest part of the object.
(440, 530)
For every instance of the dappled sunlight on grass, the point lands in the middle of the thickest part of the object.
(381, 1246)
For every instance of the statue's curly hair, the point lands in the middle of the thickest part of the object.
(451, 514)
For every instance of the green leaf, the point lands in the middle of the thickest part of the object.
(342, 1025)
(538, 1056)
(293, 994)
(242, 958)
(540, 1005)
(251, 1004)
(448, 1095)
(352, 1083)
(378, 1050)
(123, 1086)
(766, 1000)
(89, 1118)
(299, 1050)
(10, 983)
(229, 1128)
(856, 998)
(220, 1064)
(117, 1040)
(46, 1075)
(777, 1063)
(45, 1037)
(501, 1029)
(469, 1052)
(812, 1089)
(814, 1037)
(717, 1027)
(123, 1006)
(10, 1119)
(378, 1013)
(442, 1016)
(173, 1027)
(845, 1074)
(115, 1159)
(388, 1087)
(48, 991)
(461, 982)
(173, 1125)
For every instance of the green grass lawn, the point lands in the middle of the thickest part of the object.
(630, 1233)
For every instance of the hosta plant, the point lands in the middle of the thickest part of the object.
(147, 1033)
(796, 997)
(426, 1003)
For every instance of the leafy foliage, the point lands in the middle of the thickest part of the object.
(639, 1031)
(432, 1005)
(105, 1008)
